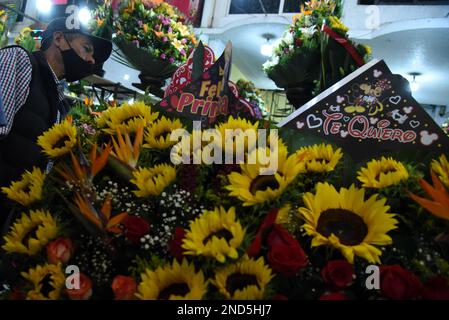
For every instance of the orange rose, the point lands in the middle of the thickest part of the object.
(124, 288)
(85, 289)
(59, 250)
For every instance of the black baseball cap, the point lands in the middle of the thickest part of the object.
(102, 47)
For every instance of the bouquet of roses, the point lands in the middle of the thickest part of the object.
(315, 52)
(124, 215)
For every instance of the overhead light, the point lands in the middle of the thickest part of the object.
(267, 48)
(126, 77)
(414, 85)
(84, 15)
(43, 6)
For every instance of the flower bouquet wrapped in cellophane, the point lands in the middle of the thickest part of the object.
(314, 52)
(152, 38)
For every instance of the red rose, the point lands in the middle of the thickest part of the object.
(175, 245)
(399, 284)
(16, 294)
(85, 289)
(124, 288)
(136, 228)
(267, 223)
(334, 296)
(59, 250)
(338, 273)
(436, 288)
(285, 254)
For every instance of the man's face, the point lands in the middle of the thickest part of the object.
(80, 43)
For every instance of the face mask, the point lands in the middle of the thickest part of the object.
(75, 67)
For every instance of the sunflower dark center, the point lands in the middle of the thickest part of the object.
(30, 234)
(179, 289)
(262, 183)
(46, 285)
(222, 233)
(164, 134)
(347, 226)
(27, 188)
(132, 118)
(61, 142)
(387, 171)
(239, 281)
(322, 160)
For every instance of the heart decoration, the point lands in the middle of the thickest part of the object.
(340, 99)
(346, 119)
(395, 99)
(414, 124)
(313, 121)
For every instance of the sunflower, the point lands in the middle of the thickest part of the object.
(319, 158)
(158, 135)
(215, 234)
(127, 117)
(48, 282)
(27, 190)
(31, 233)
(441, 168)
(244, 280)
(251, 187)
(58, 140)
(347, 222)
(382, 173)
(152, 181)
(235, 130)
(172, 282)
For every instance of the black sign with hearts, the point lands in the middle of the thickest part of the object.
(368, 113)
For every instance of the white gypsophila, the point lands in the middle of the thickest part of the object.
(308, 32)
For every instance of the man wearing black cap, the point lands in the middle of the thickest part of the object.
(32, 97)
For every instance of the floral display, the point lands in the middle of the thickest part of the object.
(26, 40)
(248, 91)
(315, 52)
(3, 20)
(152, 35)
(139, 226)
